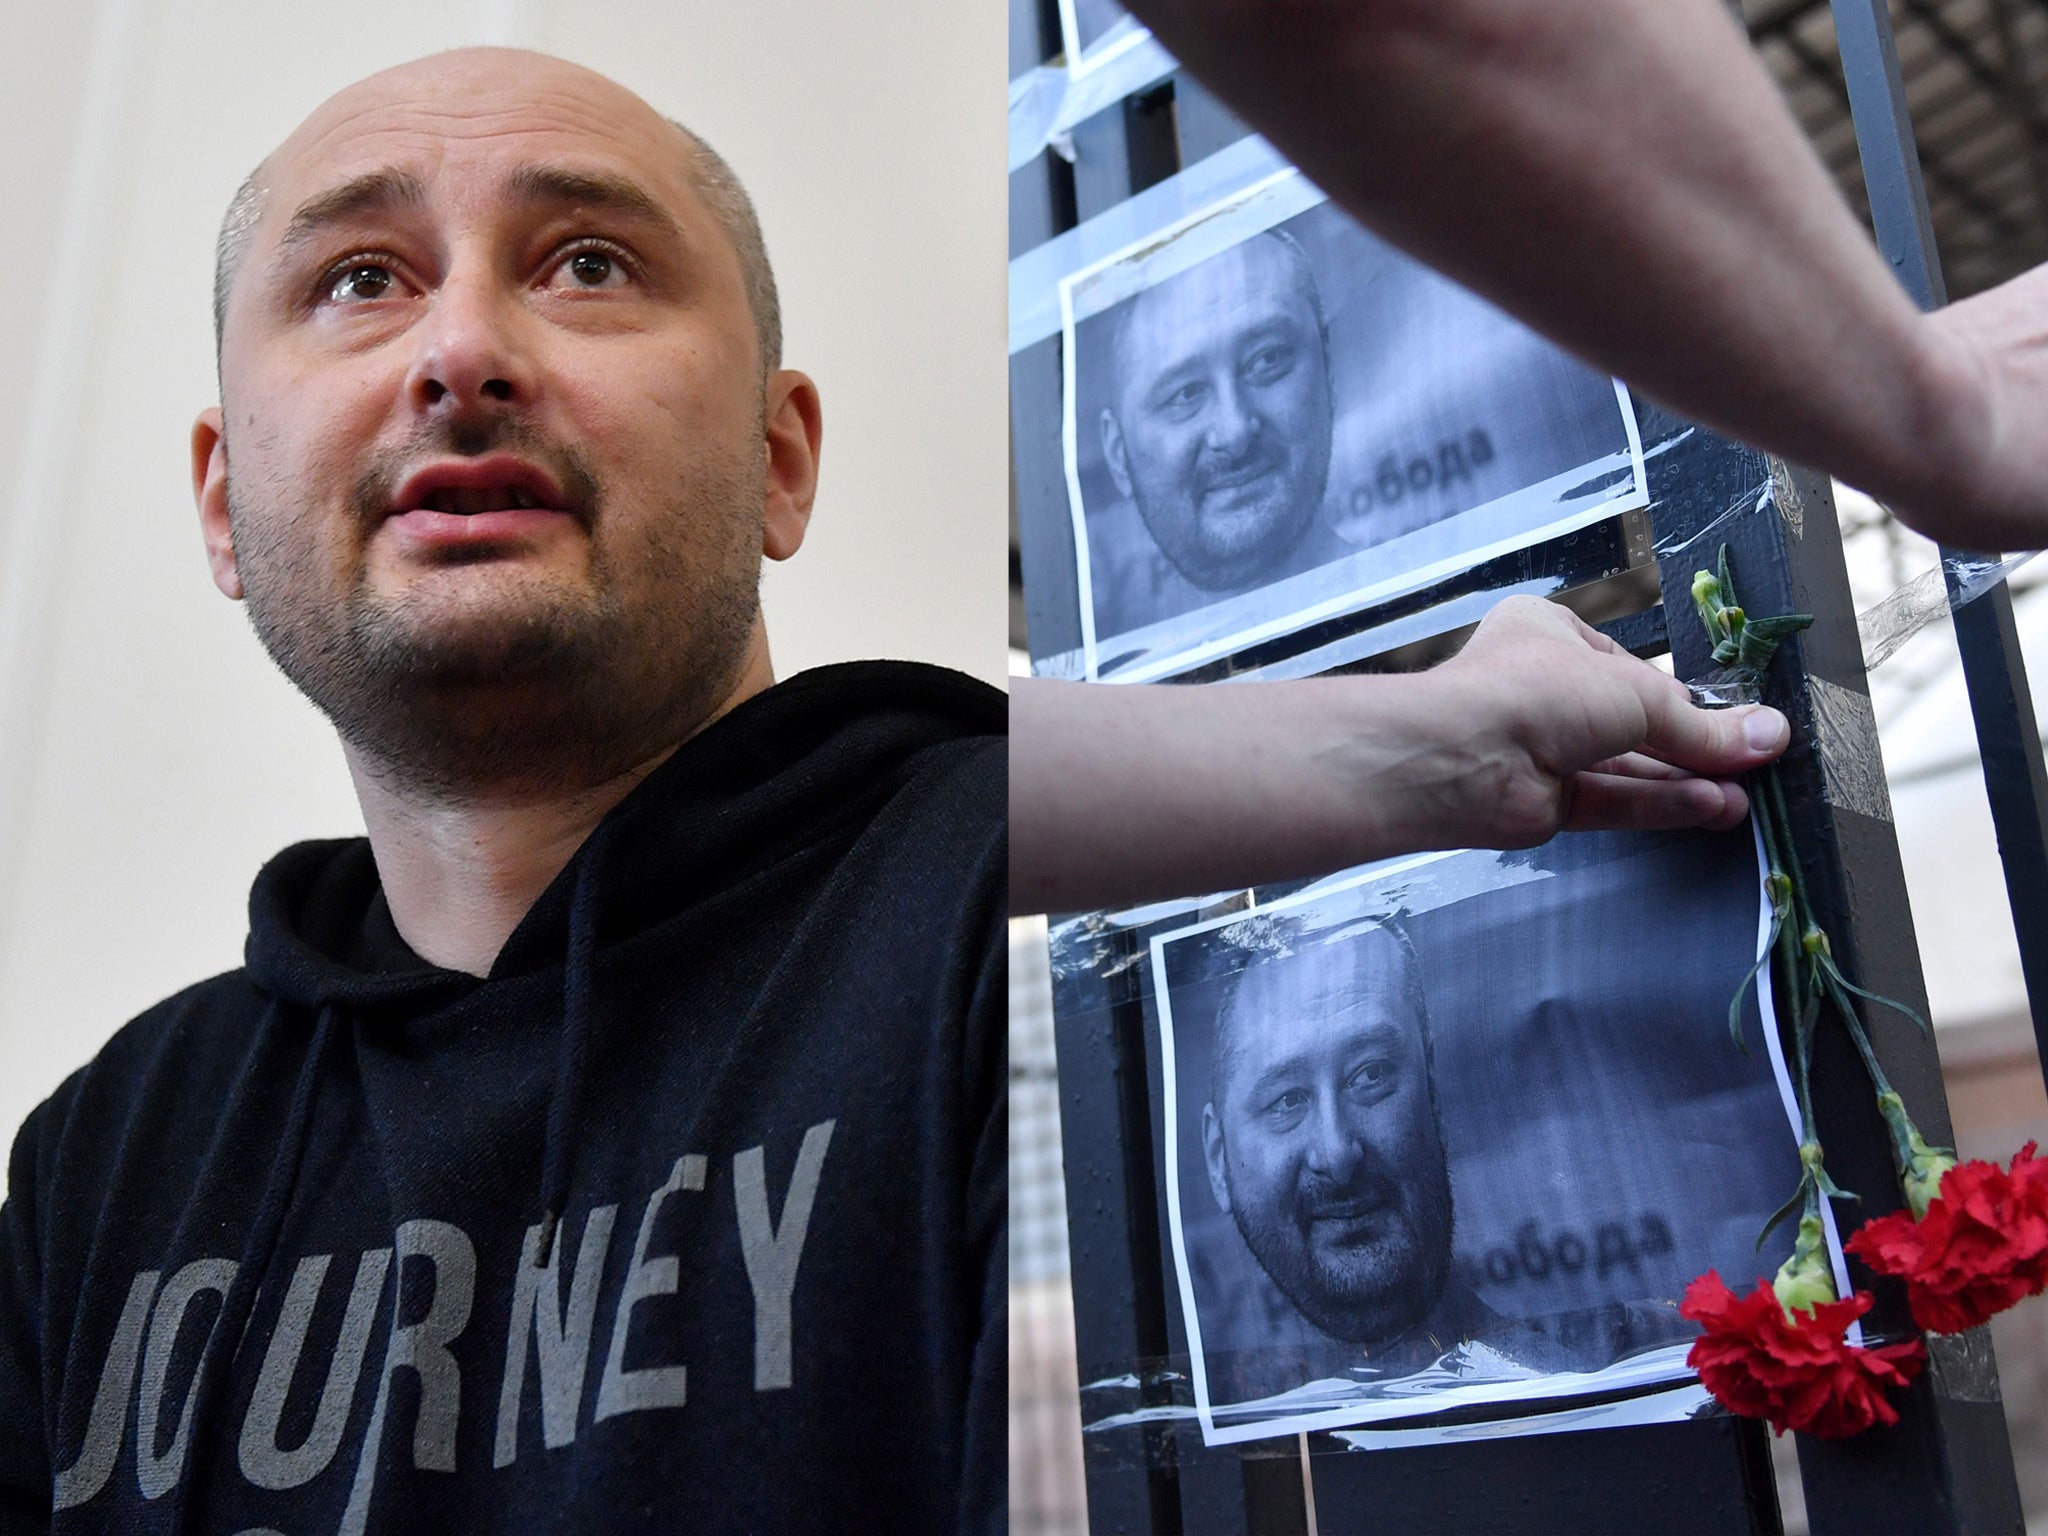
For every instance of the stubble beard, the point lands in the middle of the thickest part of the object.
(534, 686)
(1385, 1289)
(1222, 559)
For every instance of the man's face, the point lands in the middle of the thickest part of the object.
(497, 460)
(1220, 433)
(1325, 1147)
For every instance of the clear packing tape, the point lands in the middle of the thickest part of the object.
(1845, 724)
(1886, 626)
(1158, 1393)
(1047, 103)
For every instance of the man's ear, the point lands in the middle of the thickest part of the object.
(210, 495)
(795, 428)
(1113, 451)
(1214, 1155)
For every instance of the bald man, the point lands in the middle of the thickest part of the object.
(1324, 1144)
(1217, 435)
(614, 1139)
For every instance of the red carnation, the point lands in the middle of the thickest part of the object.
(1798, 1371)
(1981, 1247)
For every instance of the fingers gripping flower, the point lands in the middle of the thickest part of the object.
(1781, 1353)
(1974, 1249)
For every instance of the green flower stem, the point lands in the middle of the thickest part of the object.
(1862, 1041)
(1802, 1071)
(1803, 957)
(1774, 788)
(1790, 993)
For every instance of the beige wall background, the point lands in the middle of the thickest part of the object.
(150, 758)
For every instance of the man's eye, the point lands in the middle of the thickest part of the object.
(1289, 1102)
(1270, 363)
(361, 283)
(1373, 1074)
(1183, 402)
(592, 269)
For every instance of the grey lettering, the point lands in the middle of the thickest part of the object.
(108, 1423)
(156, 1474)
(1387, 479)
(422, 1348)
(662, 1386)
(563, 1344)
(772, 1254)
(1611, 1247)
(264, 1462)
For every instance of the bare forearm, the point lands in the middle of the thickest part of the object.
(1123, 794)
(1119, 794)
(1623, 175)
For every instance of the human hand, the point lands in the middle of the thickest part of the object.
(1980, 480)
(1571, 732)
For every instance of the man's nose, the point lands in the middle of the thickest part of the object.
(1233, 420)
(1333, 1149)
(470, 350)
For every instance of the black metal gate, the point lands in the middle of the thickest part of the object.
(1946, 1466)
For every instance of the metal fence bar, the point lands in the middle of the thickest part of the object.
(1993, 669)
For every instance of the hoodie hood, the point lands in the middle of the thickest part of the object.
(800, 762)
(763, 785)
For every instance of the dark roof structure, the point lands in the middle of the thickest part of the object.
(1976, 74)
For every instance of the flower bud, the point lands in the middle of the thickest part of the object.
(1806, 1280)
(1920, 1166)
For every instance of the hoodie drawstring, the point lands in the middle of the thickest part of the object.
(572, 1051)
(258, 1249)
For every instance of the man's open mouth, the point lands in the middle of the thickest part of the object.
(476, 508)
(497, 483)
(468, 503)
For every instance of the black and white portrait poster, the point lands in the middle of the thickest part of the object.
(1272, 418)
(1459, 1130)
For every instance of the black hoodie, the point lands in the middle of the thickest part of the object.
(747, 1047)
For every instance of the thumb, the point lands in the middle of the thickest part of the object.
(1718, 742)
